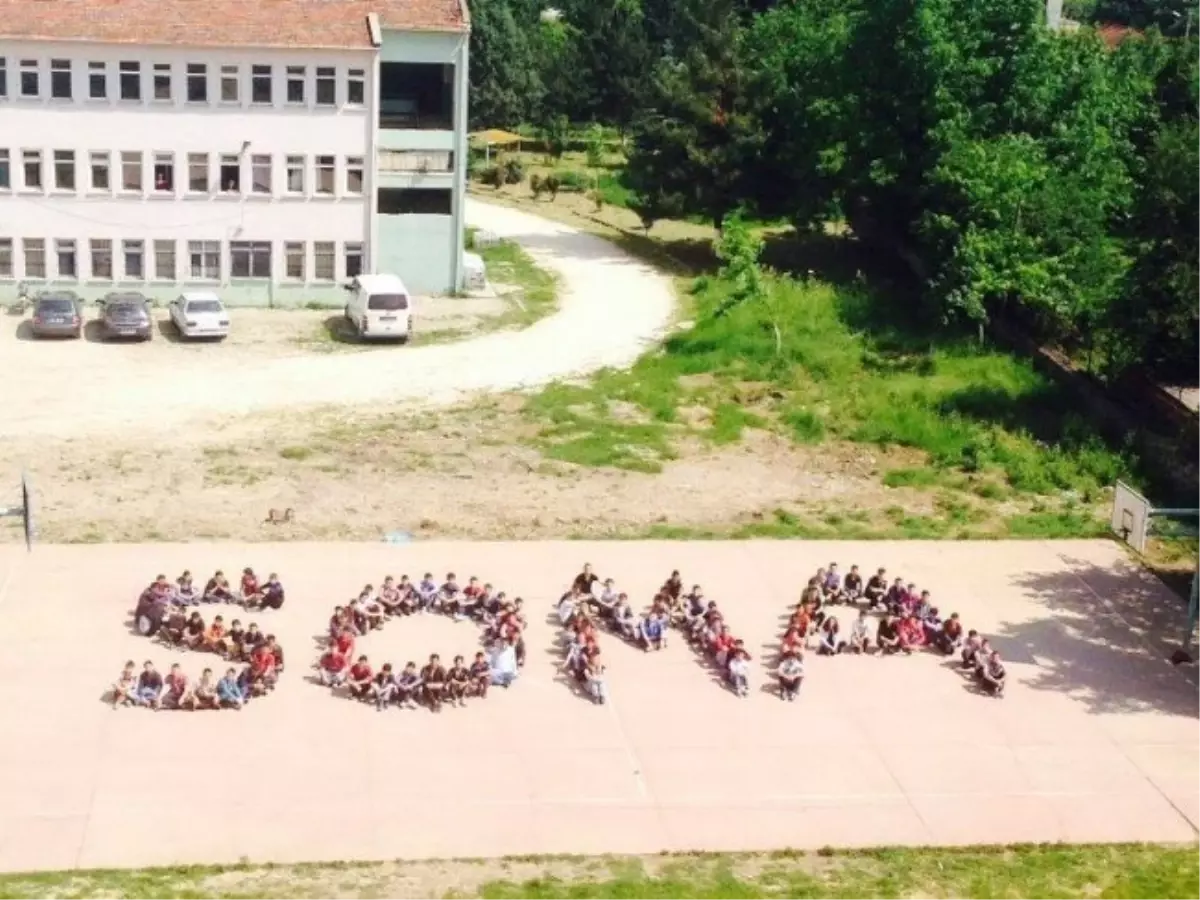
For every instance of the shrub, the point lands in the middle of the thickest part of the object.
(513, 169)
(573, 181)
(551, 185)
(492, 175)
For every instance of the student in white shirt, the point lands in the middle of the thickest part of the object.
(860, 634)
(790, 673)
(739, 672)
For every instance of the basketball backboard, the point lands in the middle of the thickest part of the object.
(1130, 516)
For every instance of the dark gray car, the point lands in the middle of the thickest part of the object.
(57, 314)
(126, 315)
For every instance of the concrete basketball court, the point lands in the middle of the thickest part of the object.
(1096, 740)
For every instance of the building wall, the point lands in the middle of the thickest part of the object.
(426, 250)
(279, 129)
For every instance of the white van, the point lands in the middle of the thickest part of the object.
(379, 307)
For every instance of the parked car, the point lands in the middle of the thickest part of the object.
(126, 315)
(379, 307)
(199, 314)
(57, 314)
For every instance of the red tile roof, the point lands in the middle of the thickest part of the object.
(1114, 35)
(218, 23)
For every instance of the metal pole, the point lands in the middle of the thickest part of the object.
(1193, 615)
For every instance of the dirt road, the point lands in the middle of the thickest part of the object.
(612, 307)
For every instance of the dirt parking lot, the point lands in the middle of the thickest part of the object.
(254, 333)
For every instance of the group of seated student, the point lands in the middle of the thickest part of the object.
(908, 621)
(188, 631)
(702, 623)
(502, 620)
(250, 592)
(151, 689)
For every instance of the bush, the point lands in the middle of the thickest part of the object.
(573, 181)
(492, 175)
(513, 169)
(594, 146)
(547, 184)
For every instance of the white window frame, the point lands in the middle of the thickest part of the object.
(326, 76)
(68, 159)
(290, 168)
(133, 248)
(294, 75)
(29, 67)
(250, 249)
(256, 164)
(26, 159)
(103, 158)
(324, 251)
(196, 73)
(97, 246)
(130, 68)
(356, 77)
(161, 247)
(328, 168)
(355, 164)
(192, 159)
(257, 75)
(229, 161)
(28, 246)
(351, 250)
(292, 250)
(157, 72)
(205, 249)
(231, 75)
(98, 69)
(163, 158)
(61, 246)
(141, 168)
(59, 67)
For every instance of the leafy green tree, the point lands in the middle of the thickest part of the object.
(797, 61)
(506, 86)
(688, 141)
(1155, 322)
(612, 53)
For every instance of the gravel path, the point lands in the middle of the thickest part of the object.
(612, 308)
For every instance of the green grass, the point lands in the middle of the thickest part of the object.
(508, 264)
(851, 369)
(1129, 870)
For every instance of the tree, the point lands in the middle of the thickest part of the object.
(797, 62)
(688, 139)
(739, 249)
(1155, 324)
(506, 87)
(613, 54)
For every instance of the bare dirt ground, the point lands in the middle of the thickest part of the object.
(465, 472)
(255, 334)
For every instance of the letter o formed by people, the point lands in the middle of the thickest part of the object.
(434, 682)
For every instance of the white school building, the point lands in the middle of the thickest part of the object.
(268, 149)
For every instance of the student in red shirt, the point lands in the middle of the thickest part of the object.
(360, 679)
(262, 670)
(250, 590)
(344, 643)
(722, 643)
(332, 667)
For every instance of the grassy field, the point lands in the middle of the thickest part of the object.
(1020, 871)
(998, 449)
(988, 435)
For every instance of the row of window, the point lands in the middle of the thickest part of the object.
(134, 81)
(137, 260)
(135, 172)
